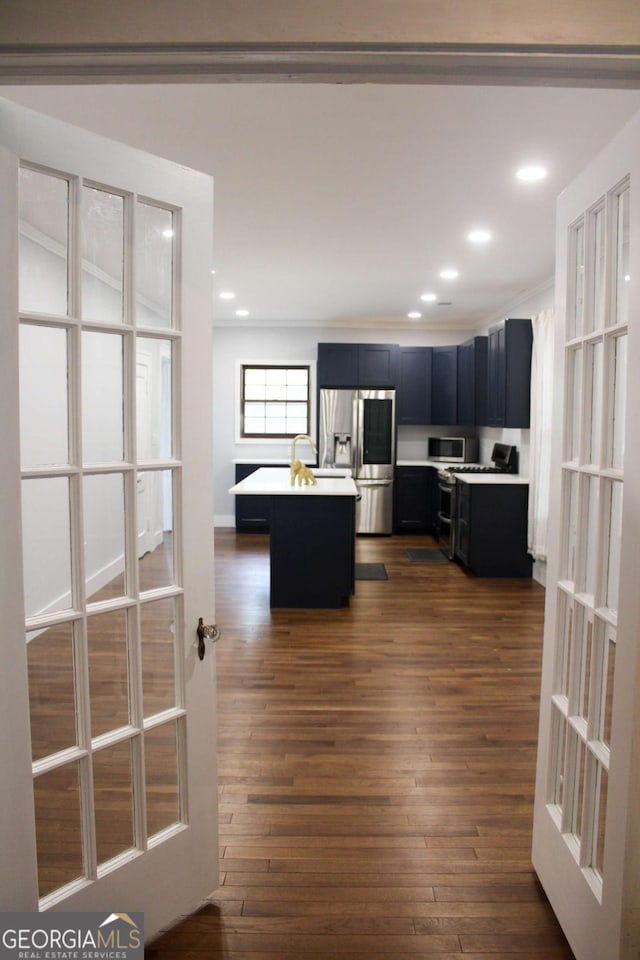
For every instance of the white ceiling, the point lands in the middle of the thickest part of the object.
(340, 204)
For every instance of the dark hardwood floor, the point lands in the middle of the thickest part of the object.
(376, 769)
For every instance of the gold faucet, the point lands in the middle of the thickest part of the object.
(298, 471)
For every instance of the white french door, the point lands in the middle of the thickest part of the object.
(585, 847)
(108, 752)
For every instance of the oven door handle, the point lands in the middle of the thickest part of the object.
(443, 519)
(446, 487)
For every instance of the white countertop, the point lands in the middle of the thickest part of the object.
(276, 481)
(484, 478)
(496, 479)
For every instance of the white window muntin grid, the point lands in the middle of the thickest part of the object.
(74, 471)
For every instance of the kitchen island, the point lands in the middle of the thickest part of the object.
(312, 536)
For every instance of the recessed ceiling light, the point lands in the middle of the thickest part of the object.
(227, 295)
(479, 236)
(242, 313)
(531, 173)
(449, 273)
(213, 272)
(429, 297)
(414, 315)
(167, 233)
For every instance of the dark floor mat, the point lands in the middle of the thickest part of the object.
(371, 571)
(427, 556)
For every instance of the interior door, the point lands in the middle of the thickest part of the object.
(110, 763)
(585, 846)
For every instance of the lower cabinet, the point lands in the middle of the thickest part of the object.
(415, 505)
(252, 513)
(491, 529)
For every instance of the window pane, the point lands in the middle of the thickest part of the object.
(255, 376)
(297, 393)
(56, 797)
(161, 770)
(254, 392)
(602, 788)
(44, 408)
(44, 241)
(598, 284)
(155, 529)
(622, 277)
(157, 631)
(108, 671)
(46, 545)
(618, 405)
(102, 397)
(113, 794)
(154, 388)
(574, 403)
(276, 377)
(614, 509)
(104, 536)
(575, 317)
(51, 690)
(299, 376)
(154, 265)
(102, 255)
(595, 355)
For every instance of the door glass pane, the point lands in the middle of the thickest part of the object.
(108, 671)
(565, 625)
(619, 401)
(155, 532)
(157, 632)
(104, 553)
(378, 431)
(56, 797)
(622, 278)
(614, 508)
(44, 409)
(598, 276)
(44, 239)
(161, 772)
(46, 548)
(574, 405)
(102, 397)
(154, 265)
(113, 800)
(575, 316)
(577, 648)
(607, 706)
(102, 255)
(602, 787)
(578, 787)
(589, 531)
(558, 757)
(593, 429)
(153, 399)
(571, 500)
(52, 702)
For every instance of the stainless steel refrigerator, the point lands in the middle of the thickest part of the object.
(356, 429)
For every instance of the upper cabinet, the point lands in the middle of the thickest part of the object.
(357, 364)
(444, 385)
(509, 373)
(413, 397)
(472, 382)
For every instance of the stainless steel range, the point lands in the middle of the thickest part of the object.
(504, 459)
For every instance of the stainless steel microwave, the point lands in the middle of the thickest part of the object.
(453, 449)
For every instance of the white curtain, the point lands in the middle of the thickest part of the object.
(540, 439)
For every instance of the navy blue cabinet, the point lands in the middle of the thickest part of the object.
(252, 513)
(415, 499)
(444, 385)
(509, 373)
(491, 529)
(357, 364)
(472, 382)
(413, 396)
